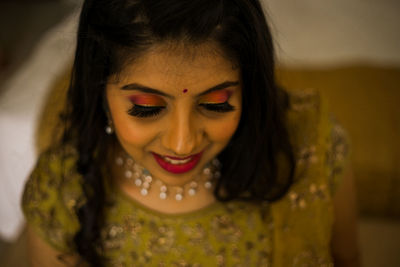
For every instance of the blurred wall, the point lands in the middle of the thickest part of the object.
(328, 32)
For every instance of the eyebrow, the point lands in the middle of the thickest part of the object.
(145, 89)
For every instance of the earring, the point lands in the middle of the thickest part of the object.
(109, 128)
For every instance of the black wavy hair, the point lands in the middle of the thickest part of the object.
(114, 32)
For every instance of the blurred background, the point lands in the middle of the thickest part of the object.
(347, 49)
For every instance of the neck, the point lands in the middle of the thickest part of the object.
(203, 196)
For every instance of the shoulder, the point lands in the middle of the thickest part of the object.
(305, 214)
(304, 113)
(320, 143)
(318, 139)
(54, 175)
(51, 195)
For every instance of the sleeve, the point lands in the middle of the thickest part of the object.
(338, 153)
(49, 200)
(303, 218)
(321, 144)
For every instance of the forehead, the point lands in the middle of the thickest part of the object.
(180, 66)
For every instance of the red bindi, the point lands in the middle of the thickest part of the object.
(185, 90)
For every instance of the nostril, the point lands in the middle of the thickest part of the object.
(181, 136)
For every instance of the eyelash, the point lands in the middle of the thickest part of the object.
(146, 112)
(220, 107)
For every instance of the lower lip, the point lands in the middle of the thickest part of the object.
(178, 168)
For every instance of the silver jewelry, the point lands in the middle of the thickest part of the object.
(109, 127)
(145, 181)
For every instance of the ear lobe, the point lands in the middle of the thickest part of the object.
(109, 129)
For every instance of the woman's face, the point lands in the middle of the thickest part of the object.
(175, 110)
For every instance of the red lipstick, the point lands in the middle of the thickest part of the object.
(176, 167)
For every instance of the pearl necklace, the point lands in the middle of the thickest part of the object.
(144, 180)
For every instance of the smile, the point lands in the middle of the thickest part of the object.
(176, 161)
(177, 165)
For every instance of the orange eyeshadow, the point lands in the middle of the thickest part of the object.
(216, 97)
(147, 100)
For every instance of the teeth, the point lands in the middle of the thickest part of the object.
(177, 161)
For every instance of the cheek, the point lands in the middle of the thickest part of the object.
(222, 131)
(128, 130)
(131, 133)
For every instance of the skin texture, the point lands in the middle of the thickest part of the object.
(183, 127)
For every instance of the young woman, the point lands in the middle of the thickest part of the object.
(180, 149)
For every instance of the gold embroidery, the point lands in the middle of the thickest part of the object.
(234, 234)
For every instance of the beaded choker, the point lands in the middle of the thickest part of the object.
(145, 181)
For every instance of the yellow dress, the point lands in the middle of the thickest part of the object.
(294, 231)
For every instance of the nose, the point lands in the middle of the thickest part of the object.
(183, 134)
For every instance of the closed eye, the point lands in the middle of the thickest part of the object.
(219, 107)
(152, 111)
(145, 111)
